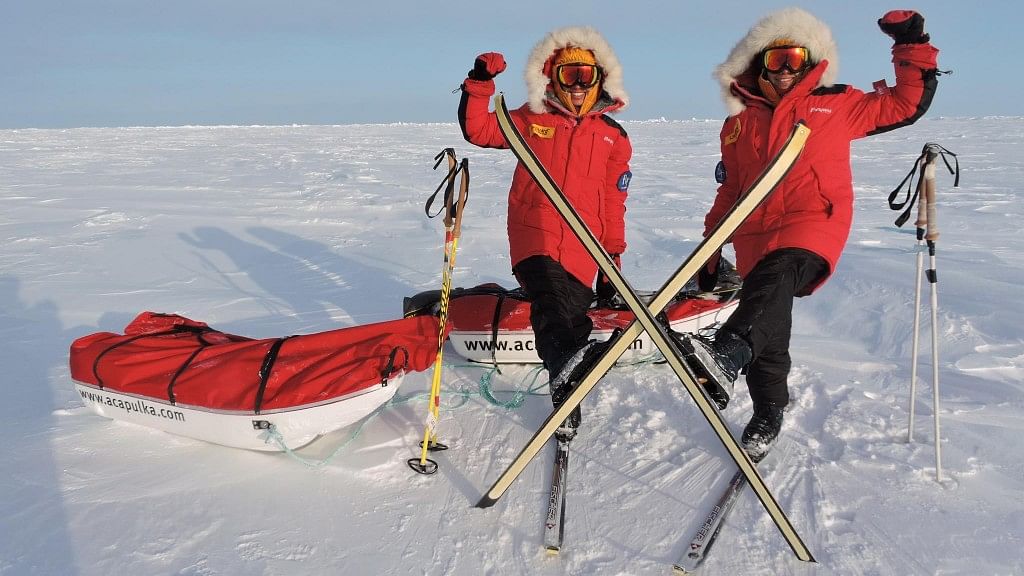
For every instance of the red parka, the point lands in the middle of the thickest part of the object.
(588, 158)
(812, 208)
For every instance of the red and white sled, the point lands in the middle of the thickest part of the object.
(492, 324)
(183, 377)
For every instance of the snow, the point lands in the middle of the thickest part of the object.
(268, 231)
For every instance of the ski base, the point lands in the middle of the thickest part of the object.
(707, 534)
(554, 523)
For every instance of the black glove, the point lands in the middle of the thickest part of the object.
(707, 277)
(904, 27)
(604, 290)
(487, 66)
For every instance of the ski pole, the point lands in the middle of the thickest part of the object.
(920, 225)
(932, 237)
(452, 231)
(927, 236)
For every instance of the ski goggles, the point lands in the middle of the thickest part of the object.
(793, 58)
(585, 75)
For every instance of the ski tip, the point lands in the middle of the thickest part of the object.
(680, 571)
(552, 551)
(486, 502)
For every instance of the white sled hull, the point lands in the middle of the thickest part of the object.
(297, 427)
(518, 346)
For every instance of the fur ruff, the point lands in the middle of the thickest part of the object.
(582, 37)
(794, 23)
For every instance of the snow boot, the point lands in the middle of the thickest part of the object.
(717, 363)
(762, 430)
(574, 369)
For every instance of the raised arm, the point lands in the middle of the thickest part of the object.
(915, 63)
(478, 123)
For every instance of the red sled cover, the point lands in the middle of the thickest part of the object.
(173, 358)
(478, 312)
(489, 307)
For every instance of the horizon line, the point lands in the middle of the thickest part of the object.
(661, 120)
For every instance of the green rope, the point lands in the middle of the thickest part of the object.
(273, 435)
(518, 396)
(461, 398)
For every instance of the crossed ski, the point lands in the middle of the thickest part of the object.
(645, 316)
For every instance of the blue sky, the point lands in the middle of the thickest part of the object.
(212, 62)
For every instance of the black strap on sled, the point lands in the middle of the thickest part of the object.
(930, 149)
(500, 294)
(96, 362)
(188, 362)
(385, 374)
(203, 344)
(265, 368)
(175, 330)
(495, 321)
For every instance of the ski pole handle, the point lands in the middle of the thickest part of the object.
(929, 192)
(449, 196)
(460, 204)
(922, 199)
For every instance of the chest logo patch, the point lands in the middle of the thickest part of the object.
(539, 131)
(735, 134)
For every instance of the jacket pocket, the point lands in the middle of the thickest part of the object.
(805, 195)
(827, 205)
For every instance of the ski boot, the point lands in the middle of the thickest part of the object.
(574, 369)
(762, 430)
(717, 362)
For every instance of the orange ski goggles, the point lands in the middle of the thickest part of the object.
(793, 58)
(585, 75)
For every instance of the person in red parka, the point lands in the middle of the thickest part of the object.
(784, 70)
(573, 81)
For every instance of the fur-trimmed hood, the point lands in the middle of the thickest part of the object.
(794, 23)
(581, 37)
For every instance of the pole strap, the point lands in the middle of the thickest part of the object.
(930, 151)
(450, 207)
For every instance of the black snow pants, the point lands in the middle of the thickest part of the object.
(558, 309)
(764, 317)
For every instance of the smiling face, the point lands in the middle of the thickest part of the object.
(577, 95)
(576, 79)
(783, 81)
(783, 64)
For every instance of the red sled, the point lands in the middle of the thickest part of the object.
(181, 376)
(491, 324)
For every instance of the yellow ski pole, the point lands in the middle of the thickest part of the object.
(452, 231)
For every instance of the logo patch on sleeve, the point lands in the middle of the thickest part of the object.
(734, 135)
(539, 131)
(623, 183)
(720, 173)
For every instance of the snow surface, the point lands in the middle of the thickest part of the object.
(270, 231)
